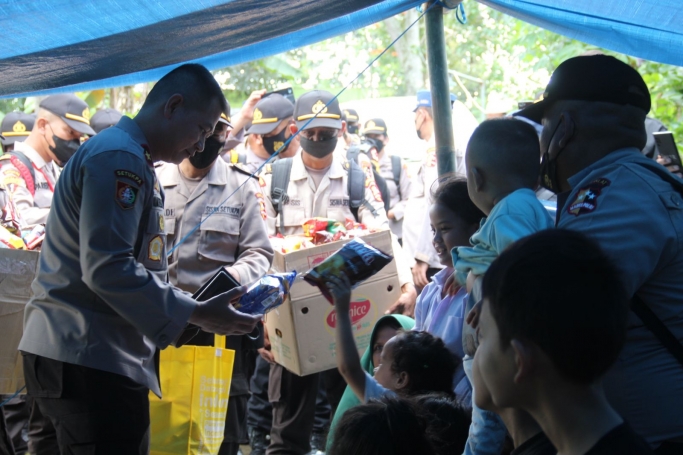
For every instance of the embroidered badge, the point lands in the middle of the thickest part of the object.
(372, 185)
(262, 205)
(156, 186)
(126, 195)
(155, 249)
(431, 158)
(261, 182)
(129, 175)
(586, 200)
(161, 223)
(148, 156)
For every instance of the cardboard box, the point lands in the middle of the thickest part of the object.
(17, 270)
(302, 330)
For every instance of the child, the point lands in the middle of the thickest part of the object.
(503, 164)
(387, 426)
(454, 218)
(552, 323)
(385, 329)
(410, 363)
(447, 423)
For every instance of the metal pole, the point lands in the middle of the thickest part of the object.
(441, 100)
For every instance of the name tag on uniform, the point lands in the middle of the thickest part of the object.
(170, 213)
(293, 202)
(223, 210)
(339, 202)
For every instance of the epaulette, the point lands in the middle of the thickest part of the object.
(240, 168)
(268, 169)
(346, 164)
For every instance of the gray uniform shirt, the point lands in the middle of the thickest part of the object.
(234, 237)
(100, 298)
(398, 193)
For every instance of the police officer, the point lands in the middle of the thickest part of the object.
(15, 127)
(352, 133)
(31, 172)
(105, 118)
(269, 130)
(593, 115)
(100, 305)
(234, 237)
(317, 187)
(417, 236)
(233, 152)
(395, 173)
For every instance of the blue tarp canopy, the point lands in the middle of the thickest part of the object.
(51, 46)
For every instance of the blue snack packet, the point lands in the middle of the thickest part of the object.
(267, 293)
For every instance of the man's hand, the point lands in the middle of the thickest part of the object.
(390, 215)
(667, 163)
(247, 111)
(265, 351)
(406, 302)
(420, 274)
(216, 315)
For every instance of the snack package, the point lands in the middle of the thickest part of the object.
(315, 225)
(357, 260)
(10, 240)
(267, 293)
(35, 237)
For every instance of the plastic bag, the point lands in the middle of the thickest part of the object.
(357, 260)
(267, 293)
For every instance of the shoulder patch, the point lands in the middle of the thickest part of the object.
(586, 200)
(261, 182)
(262, 205)
(125, 195)
(122, 173)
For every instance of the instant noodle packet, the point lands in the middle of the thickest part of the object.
(357, 260)
(267, 293)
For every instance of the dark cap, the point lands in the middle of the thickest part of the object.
(375, 126)
(350, 116)
(105, 118)
(315, 102)
(592, 78)
(16, 126)
(269, 112)
(225, 118)
(71, 109)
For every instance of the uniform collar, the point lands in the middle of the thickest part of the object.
(629, 154)
(129, 126)
(31, 153)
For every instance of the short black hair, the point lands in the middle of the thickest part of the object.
(559, 290)
(427, 360)
(451, 191)
(387, 426)
(196, 83)
(448, 423)
(507, 148)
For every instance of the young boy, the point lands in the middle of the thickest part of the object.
(553, 321)
(503, 164)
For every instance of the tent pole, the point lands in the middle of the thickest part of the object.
(438, 80)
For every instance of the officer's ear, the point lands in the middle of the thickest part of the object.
(172, 104)
(40, 124)
(292, 128)
(343, 128)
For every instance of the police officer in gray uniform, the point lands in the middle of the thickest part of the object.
(101, 305)
(15, 127)
(105, 118)
(593, 115)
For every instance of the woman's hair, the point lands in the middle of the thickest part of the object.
(448, 423)
(427, 360)
(452, 192)
(388, 426)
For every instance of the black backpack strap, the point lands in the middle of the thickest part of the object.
(356, 189)
(26, 162)
(281, 169)
(638, 305)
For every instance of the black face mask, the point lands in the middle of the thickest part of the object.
(273, 143)
(212, 147)
(64, 149)
(352, 129)
(377, 143)
(319, 149)
(549, 168)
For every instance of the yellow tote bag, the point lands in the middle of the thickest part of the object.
(195, 384)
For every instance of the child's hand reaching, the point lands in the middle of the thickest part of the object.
(340, 288)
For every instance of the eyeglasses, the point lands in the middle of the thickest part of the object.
(319, 135)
